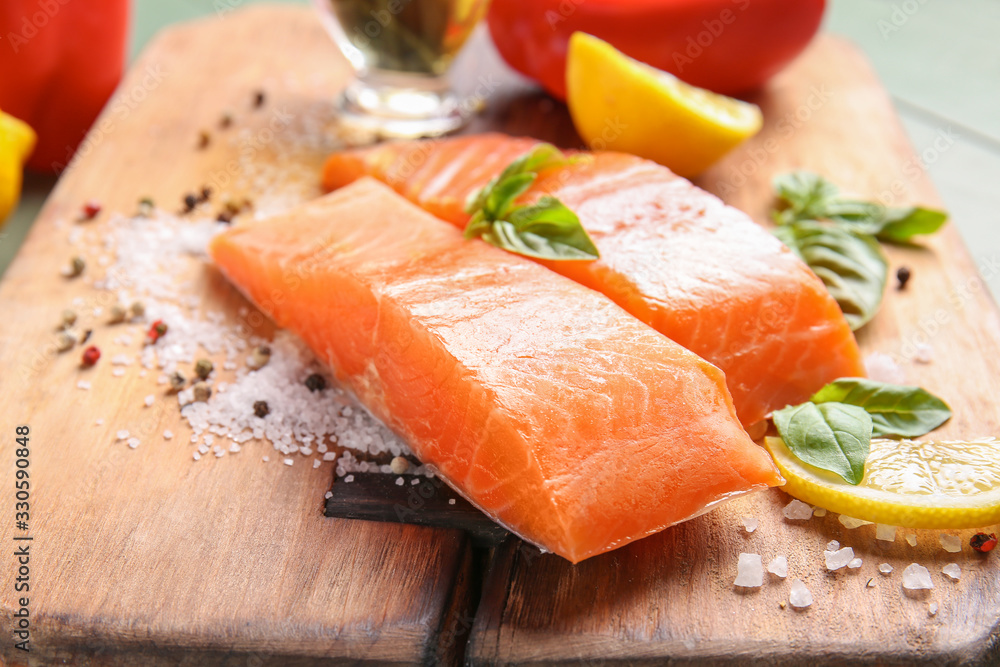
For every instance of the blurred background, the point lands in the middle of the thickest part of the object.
(939, 60)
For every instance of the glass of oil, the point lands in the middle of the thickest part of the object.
(401, 51)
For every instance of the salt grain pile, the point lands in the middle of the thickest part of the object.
(157, 261)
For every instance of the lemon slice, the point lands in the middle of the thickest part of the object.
(621, 104)
(940, 484)
(16, 142)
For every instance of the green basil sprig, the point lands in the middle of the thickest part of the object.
(896, 410)
(804, 195)
(546, 229)
(833, 430)
(832, 436)
(851, 265)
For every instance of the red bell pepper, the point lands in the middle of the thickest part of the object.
(60, 60)
(728, 46)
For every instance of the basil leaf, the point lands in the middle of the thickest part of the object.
(804, 194)
(851, 265)
(541, 156)
(546, 245)
(896, 410)
(502, 196)
(546, 229)
(832, 436)
(901, 225)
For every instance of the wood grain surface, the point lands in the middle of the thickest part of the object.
(146, 557)
(671, 596)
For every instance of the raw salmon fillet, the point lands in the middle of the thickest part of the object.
(545, 404)
(700, 272)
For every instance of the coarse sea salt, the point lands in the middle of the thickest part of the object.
(882, 367)
(749, 571)
(851, 523)
(149, 400)
(168, 434)
(83, 384)
(952, 571)
(750, 523)
(932, 609)
(916, 577)
(122, 435)
(911, 539)
(819, 511)
(797, 511)
(885, 533)
(798, 595)
(778, 566)
(951, 543)
(832, 545)
(885, 568)
(855, 563)
(838, 559)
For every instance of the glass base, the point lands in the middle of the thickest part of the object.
(394, 110)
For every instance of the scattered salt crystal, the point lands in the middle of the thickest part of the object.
(287, 462)
(122, 434)
(235, 448)
(132, 442)
(885, 568)
(415, 482)
(121, 360)
(797, 511)
(142, 374)
(163, 379)
(932, 609)
(851, 523)
(871, 583)
(349, 478)
(832, 545)
(952, 571)
(168, 434)
(316, 463)
(799, 596)
(118, 372)
(149, 400)
(882, 368)
(83, 384)
(399, 481)
(219, 453)
(266, 459)
(838, 559)
(951, 543)
(196, 456)
(911, 539)
(203, 448)
(749, 571)
(329, 456)
(778, 567)
(923, 353)
(328, 495)
(885, 533)
(99, 422)
(451, 501)
(819, 511)
(916, 577)
(750, 523)
(854, 564)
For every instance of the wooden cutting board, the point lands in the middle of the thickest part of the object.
(148, 557)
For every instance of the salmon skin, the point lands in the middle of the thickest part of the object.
(546, 405)
(674, 256)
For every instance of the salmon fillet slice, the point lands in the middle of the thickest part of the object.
(545, 404)
(674, 256)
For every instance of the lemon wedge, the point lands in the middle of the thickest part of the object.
(16, 142)
(939, 484)
(621, 104)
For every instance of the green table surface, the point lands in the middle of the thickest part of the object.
(939, 60)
